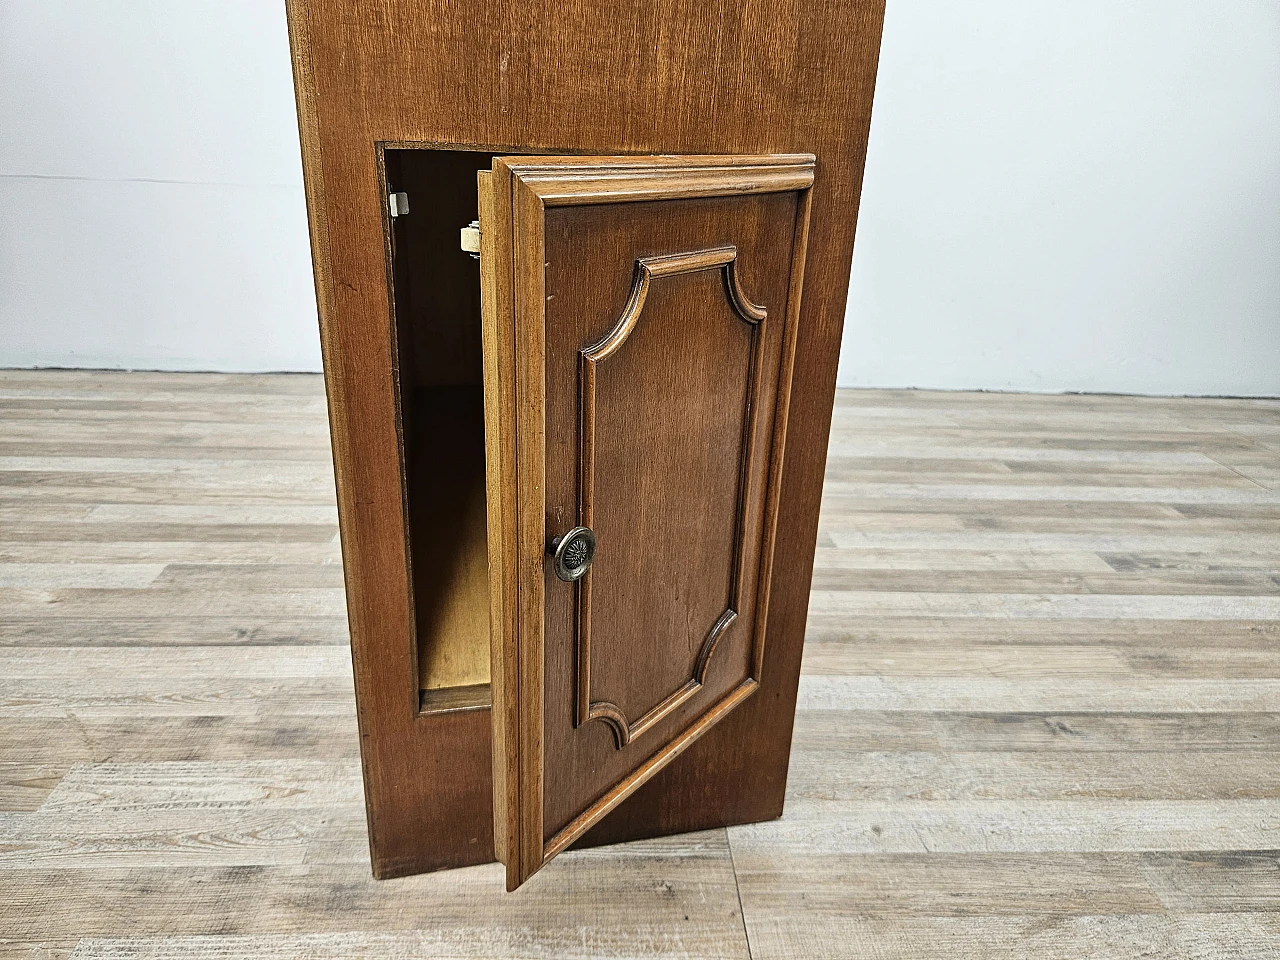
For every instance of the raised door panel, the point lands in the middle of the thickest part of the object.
(641, 320)
(672, 384)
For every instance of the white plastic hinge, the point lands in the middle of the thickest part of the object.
(470, 239)
(399, 204)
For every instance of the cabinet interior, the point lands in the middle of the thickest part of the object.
(436, 292)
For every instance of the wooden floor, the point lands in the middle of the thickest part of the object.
(1040, 712)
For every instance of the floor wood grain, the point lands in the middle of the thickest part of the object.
(1039, 714)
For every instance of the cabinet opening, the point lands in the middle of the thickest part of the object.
(436, 293)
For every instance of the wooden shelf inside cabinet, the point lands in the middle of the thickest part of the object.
(579, 477)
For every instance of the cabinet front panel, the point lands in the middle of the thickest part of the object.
(660, 78)
(664, 327)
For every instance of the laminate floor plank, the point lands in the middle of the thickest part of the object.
(175, 438)
(844, 512)
(887, 658)
(212, 837)
(42, 454)
(828, 561)
(1151, 525)
(835, 773)
(205, 493)
(25, 786)
(1225, 531)
(905, 885)
(201, 735)
(191, 601)
(1228, 487)
(1215, 881)
(265, 628)
(102, 532)
(1042, 694)
(144, 665)
(187, 695)
(644, 901)
(1039, 712)
(36, 949)
(1085, 437)
(205, 387)
(1242, 936)
(1262, 581)
(847, 448)
(816, 827)
(1061, 732)
(241, 409)
(100, 575)
(171, 551)
(272, 576)
(256, 784)
(109, 475)
(1169, 543)
(1218, 484)
(1050, 606)
(1256, 635)
(883, 659)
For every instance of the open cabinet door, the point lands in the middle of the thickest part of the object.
(639, 328)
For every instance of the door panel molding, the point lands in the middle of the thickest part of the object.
(648, 269)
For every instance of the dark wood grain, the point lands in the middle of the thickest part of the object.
(659, 403)
(715, 78)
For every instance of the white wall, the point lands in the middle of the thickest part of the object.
(1072, 196)
(151, 207)
(1059, 196)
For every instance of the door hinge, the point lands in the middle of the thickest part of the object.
(470, 239)
(399, 204)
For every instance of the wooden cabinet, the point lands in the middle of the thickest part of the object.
(579, 476)
(639, 339)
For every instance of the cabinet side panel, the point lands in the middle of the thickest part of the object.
(305, 93)
(427, 778)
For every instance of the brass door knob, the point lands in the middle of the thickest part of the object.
(572, 553)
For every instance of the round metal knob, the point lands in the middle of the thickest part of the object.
(572, 554)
